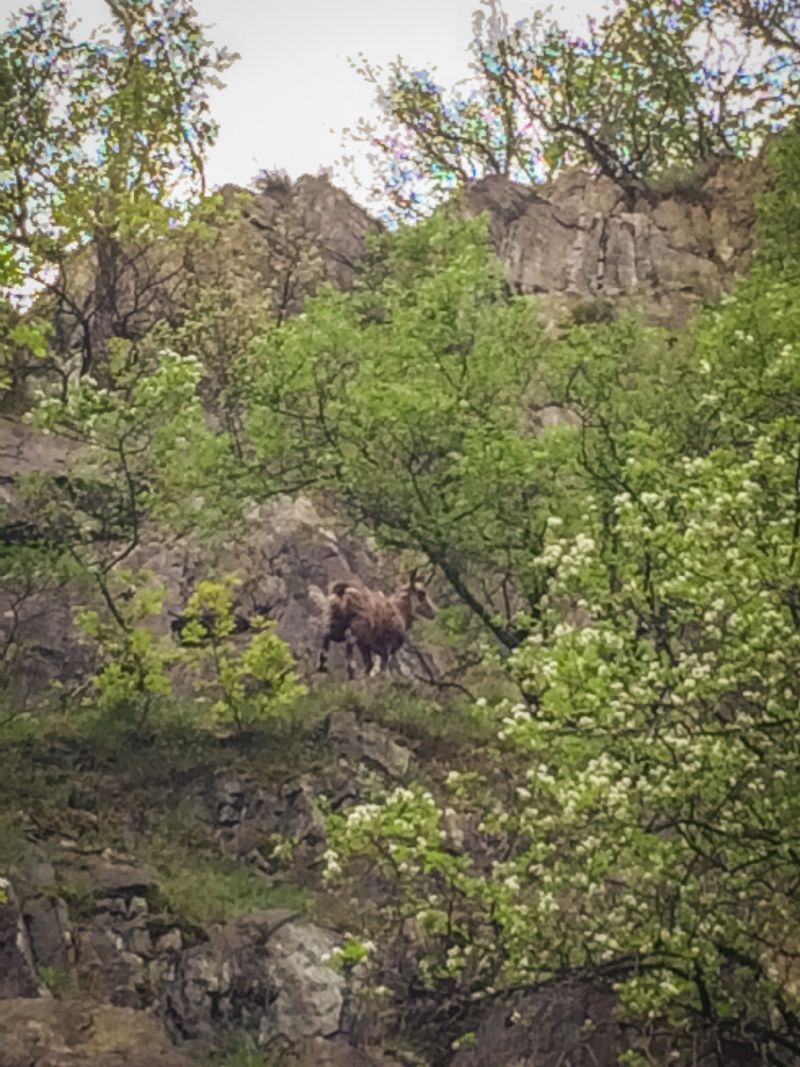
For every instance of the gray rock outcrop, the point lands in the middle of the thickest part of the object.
(265, 973)
(581, 239)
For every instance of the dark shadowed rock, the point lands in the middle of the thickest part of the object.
(108, 968)
(17, 971)
(557, 1025)
(575, 1024)
(247, 815)
(117, 879)
(50, 932)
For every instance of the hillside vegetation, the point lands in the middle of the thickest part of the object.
(601, 782)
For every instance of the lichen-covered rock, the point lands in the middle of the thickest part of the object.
(52, 1033)
(265, 973)
(17, 972)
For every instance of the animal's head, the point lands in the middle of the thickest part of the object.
(421, 602)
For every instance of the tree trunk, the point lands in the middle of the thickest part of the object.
(101, 328)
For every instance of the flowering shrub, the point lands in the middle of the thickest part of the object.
(652, 825)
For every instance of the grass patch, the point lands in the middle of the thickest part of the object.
(403, 709)
(60, 982)
(204, 889)
(240, 1050)
(13, 844)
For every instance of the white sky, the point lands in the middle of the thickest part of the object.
(292, 92)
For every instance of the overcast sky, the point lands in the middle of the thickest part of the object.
(292, 91)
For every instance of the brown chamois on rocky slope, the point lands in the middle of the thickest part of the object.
(376, 623)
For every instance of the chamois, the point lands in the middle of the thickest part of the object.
(376, 623)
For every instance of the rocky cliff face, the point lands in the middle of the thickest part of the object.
(581, 239)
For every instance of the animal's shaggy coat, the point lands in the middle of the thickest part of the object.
(369, 619)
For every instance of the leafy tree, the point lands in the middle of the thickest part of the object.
(289, 255)
(406, 401)
(651, 836)
(251, 685)
(102, 152)
(133, 675)
(142, 454)
(651, 86)
(136, 669)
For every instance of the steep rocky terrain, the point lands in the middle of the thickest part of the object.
(581, 239)
(160, 902)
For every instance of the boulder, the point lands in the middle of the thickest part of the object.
(265, 973)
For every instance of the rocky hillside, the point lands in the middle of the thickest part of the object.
(162, 898)
(150, 918)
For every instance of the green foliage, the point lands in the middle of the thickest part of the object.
(651, 834)
(102, 153)
(141, 453)
(648, 90)
(62, 983)
(587, 312)
(350, 954)
(779, 226)
(203, 889)
(134, 662)
(240, 1050)
(13, 845)
(127, 111)
(406, 400)
(247, 687)
(144, 440)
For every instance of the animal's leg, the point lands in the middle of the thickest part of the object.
(323, 654)
(366, 655)
(380, 665)
(349, 651)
